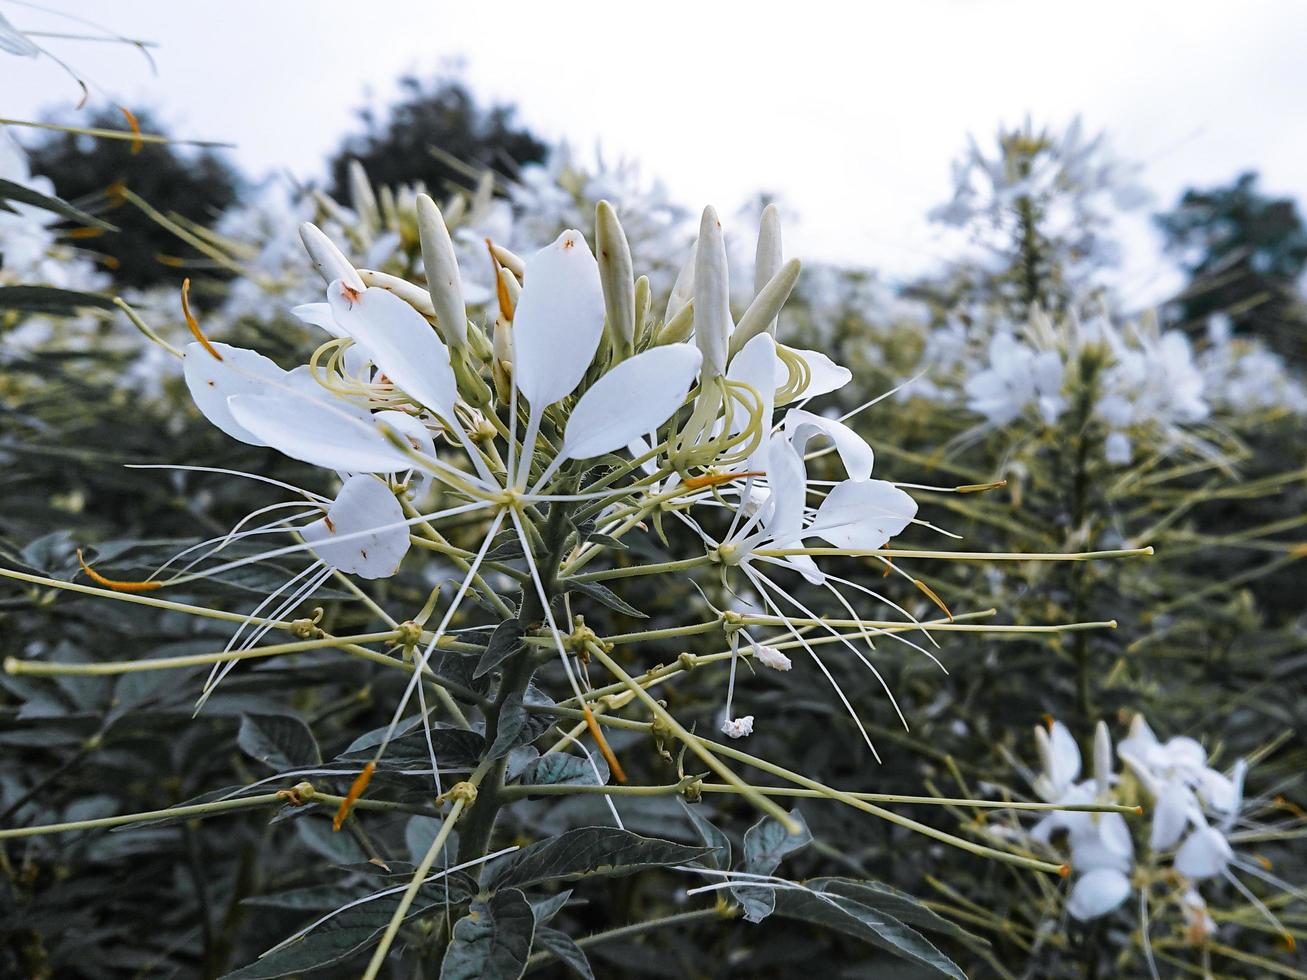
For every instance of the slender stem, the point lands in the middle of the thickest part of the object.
(959, 555)
(194, 810)
(693, 742)
(631, 571)
(392, 928)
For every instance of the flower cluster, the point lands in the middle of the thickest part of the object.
(1198, 814)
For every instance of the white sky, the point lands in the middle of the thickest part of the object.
(850, 111)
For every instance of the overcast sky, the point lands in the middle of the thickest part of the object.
(850, 111)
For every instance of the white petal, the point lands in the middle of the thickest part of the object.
(755, 365)
(15, 41)
(1170, 816)
(212, 382)
(635, 397)
(417, 435)
(1204, 854)
(802, 427)
(824, 375)
(403, 345)
(558, 321)
(319, 315)
(316, 432)
(1066, 755)
(327, 258)
(863, 514)
(787, 481)
(1098, 893)
(364, 504)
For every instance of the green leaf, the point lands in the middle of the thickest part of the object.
(48, 299)
(505, 641)
(587, 851)
(493, 941)
(335, 940)
(282, 741)
(719, 855)
(21, 194)
(557, 769)
(314, 898)
(546, 908)
(861, 922)
(884, 898)
(602, 593)
(565, 950)
(765, 844)
(514, 726)
(419, 833)
(456, 748)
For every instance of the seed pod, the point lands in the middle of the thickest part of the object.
(443, 280)
(327, 258)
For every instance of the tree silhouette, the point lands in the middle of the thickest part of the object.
(442, 115)
(196, 185)
(1243, 251)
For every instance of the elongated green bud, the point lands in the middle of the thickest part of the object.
(617, 276)
(363, 200)
(643, 301)
(327, 258)
(761, 314)
(411, 293)
(678, 329)
(768, 257)
(712, 295)
(443, 280)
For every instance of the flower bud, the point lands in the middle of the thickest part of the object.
(1103, 759)
(617, 276)
(738, 727)
(771, 657)
(443, 280)
(712, 300)
(327, 258)
(761, 314)
(643, 301)
(767, 259)
(362, 199)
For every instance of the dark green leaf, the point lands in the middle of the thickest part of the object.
(719, 854)
(861, 922)
(282, 741)
(765, 844)
(588, 851)
(514, 726)
(566, 950)
(557, 768)
(883, 898)
(504, 642)
(48, 299)
(493, 941)
(601, 593)
(21, 194)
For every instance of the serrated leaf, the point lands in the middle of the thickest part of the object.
(21, 194)
(602, 593)
(587, 851)
(882, 897)
(282, 741)
(493, 941)
(333, 941)
(766, 843)
(566, 950)
(558, 769)
(505, 641)
(719, 854)
(861, 922)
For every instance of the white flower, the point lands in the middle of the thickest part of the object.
(1097, 893)
(1204, 854)
(738, 727)
(771, 657)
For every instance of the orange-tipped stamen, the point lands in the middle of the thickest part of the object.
(117, 585)
(1048, 721)
(137, 143)
(356, 789)
(717, 479)
(1065, 871)
(193, 323)
(930, 594)
(1290, 944)
(171, 261)
(614, 766)
(506, 310)
(81, 233)
(1264, 861)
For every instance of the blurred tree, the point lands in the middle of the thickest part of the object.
(1243, 252)
(197, 186)
(443, 117)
